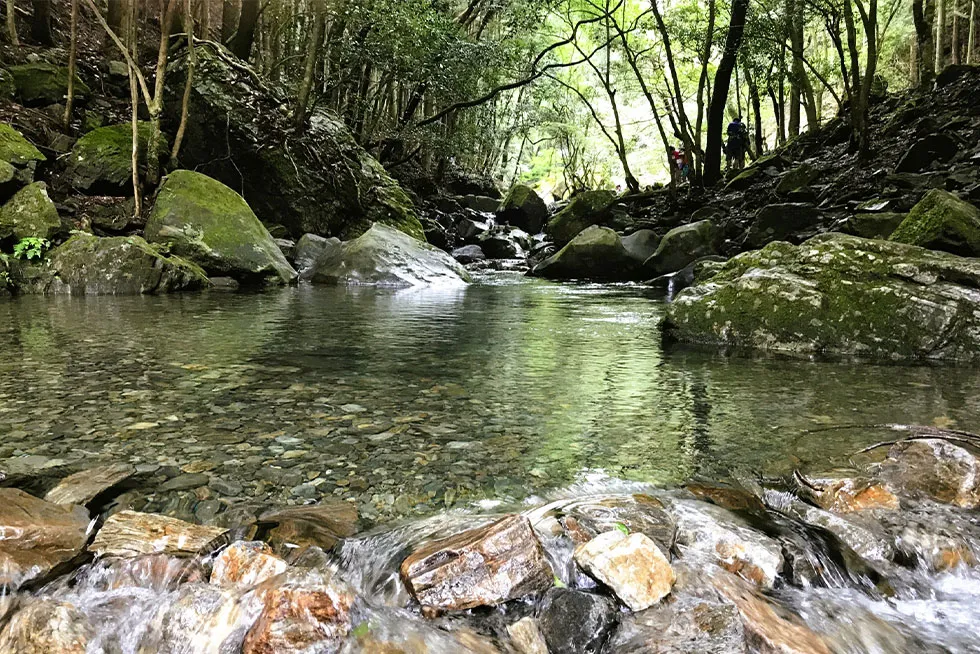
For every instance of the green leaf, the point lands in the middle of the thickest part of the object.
(623, 528)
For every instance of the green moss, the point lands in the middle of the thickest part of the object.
(797, 179)
(30, 214)
(682, 246)
(941, 221)
(43, 83)
(15, 149)
(209, 223)
(586, 209)
(743, 180)
(104, 156)
(596, 253)
(837, 294)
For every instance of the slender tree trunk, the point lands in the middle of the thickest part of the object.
(189, 83)
(756, 103)
(229, 20)
(241, 44)
(971, 42)
(955, 53)
(41, 24)
(312, 56)
(132, 20)
(114, 16)
(156, 106)
(12, 23)
(922, 17)
(723, 79)
(72, 64)
(940, 36)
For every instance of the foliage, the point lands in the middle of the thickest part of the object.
(31, 248)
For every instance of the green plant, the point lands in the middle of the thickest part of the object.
(31, 247)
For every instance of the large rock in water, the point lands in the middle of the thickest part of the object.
(30, 214)
(37, 536)
(315, 180)
(479, 567)
(837, 294)
(101, 162)
(123, 265)
(942, 221)
(683, 246)
(523, 208)
(40, 84)
(384, 256)
(210, 224)
(596, 253)
(586, 209)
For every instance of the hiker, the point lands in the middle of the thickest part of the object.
(681, 167)
(738, 140)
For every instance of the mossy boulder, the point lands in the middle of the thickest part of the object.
(642, 244)
(942, 221)
(596, 253)
(122, 265)
(837, 294)
(7, 86)
(210, 224)
(744, 179)
(101, 162)
(523, 208)
(683, 246)
(385, 256)
(585, 209)
(19, 156)
(30, 214)
(797, 180)
(41, 84)
(316, 180)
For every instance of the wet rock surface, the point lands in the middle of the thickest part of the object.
(482, 567)
(574, 622)
(132, 534)
(596, 253)
(631, 565)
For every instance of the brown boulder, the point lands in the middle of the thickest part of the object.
(632, 566)
(480, 567)
(305, 611)
(934, 468)
(83, 487)
(129, 533)
(36, 536)
(320, 525)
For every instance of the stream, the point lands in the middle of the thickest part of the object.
(433, 411)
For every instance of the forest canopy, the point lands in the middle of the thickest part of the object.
(565, 94)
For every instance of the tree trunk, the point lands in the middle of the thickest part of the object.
(189, 83)
(12, 23)
(131, 22)
(922, 17)
(756, 103)
(971, 42)
(72, 64)
(41, 24)
(241, 44)
(156, 106)
(940, 36)
(312, 56)
(229, 20)
(115, 15)
(723, 80)
(955, 52)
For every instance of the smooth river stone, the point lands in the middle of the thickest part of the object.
(83, 487)
(36, 536)
(632, 566)
(320, 524)
(47, 627)
(480, 567)
(246, 564)
(129, 533)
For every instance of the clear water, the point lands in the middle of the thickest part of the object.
(505, 389)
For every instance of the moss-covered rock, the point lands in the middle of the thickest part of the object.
(19, 155)
(384, 256)
(585, 209)
(837, 294)
(744, 179)
(317, 180)
(942, 221)
(523, 208)
(682, 246)
(89, 265)
(40, 84)
(30, 214)
(7, 86)
(210, 224)
(596, 253)
(797, 180)
(101, 162)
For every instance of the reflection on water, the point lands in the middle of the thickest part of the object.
(409, 401)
